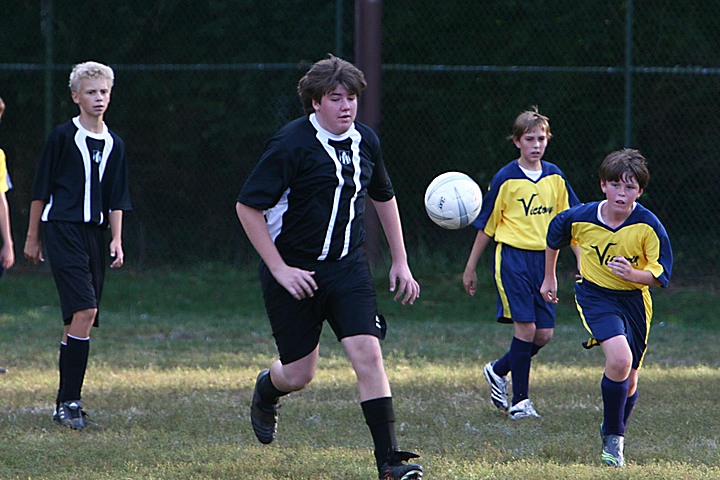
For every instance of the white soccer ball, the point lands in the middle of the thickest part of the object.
(453, 200)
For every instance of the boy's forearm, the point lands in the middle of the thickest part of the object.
(551, 256)
(36, 208)
(479, 245)
(5, 232)
(389, 216)
(115, 219)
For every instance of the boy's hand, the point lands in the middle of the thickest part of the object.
(117, 253)
(33, 250)
(7, 256)
(403, 283)
(298, 282)
(548, 290)
(470, 282)
(621, 267)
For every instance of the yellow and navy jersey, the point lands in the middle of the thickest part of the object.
(517, 210)
(641, 239)
(312, 187)
(5, 184)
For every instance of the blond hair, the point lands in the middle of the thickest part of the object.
(86, 70)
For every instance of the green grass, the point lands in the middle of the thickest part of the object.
(174, 362)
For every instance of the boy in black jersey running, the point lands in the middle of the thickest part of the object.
(80, 189)
(303, 210)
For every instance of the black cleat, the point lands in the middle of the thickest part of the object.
(394, 469)
(263, 415)
(70, 414)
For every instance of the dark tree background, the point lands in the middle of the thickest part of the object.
(200, 86)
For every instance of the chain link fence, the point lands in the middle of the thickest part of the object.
(200, 86)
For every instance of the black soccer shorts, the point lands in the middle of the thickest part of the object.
(75, 251)
(345, 297)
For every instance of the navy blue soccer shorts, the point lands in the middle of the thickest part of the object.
(608, 313)
(518, 277)
(345, 297)
(75, 251)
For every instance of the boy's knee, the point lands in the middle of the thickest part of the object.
(298, 381)
(85, 316)
(543, 336)
(82, 322)
(618, 368)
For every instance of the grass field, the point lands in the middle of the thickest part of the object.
(173, 365)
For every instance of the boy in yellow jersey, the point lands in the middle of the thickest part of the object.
(7, 253)
(624, 250)
(523, 197)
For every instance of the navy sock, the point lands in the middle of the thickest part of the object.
(267, 391)
(614, 395)
(501, 366)
(75, 361)
(520, 354)
(380, 417)
(629, 405)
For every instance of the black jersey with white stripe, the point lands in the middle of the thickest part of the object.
(82, 175)
(312, 184)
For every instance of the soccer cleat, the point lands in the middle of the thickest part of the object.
(86, 419)
(612, 451)
(263, 415)
(498, 387)
(523, 409)
(70, 414)
(394, 469)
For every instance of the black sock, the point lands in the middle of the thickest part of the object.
(61, 368)
(75, 361)
(380, 417)
(267, 391)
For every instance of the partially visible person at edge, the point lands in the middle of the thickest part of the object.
(7, 252)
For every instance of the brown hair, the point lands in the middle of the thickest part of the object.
(324, 76)
(624, 164)
(529, 120)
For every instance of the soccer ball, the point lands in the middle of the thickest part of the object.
(453, 200)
